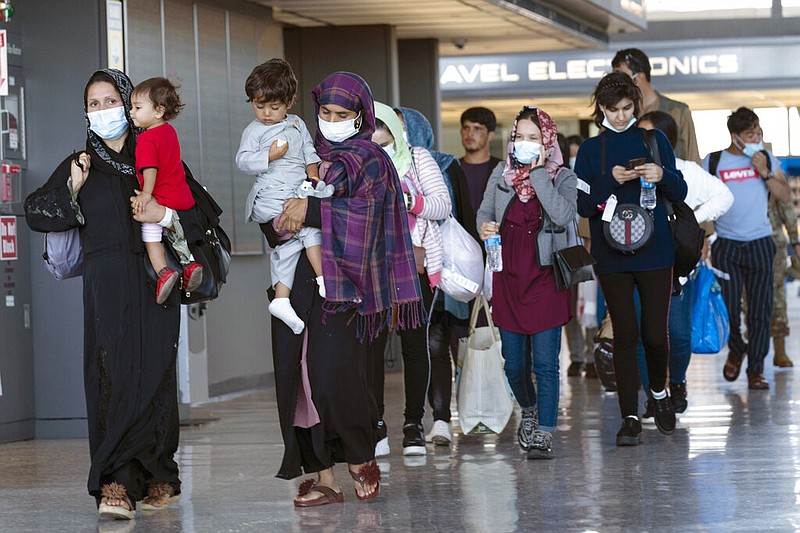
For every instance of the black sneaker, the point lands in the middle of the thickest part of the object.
(528, 424)
(677, 394)
(381, 433)
(664, 415)
(630, 434)
(591, 371)
(542, 445)
(649, 409)
(575, 368)
(413, 439)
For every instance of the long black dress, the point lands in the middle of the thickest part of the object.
(337, 373)
(130, 342)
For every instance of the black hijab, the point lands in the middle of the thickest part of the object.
(122, 162)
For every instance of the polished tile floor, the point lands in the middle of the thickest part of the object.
(733, 464)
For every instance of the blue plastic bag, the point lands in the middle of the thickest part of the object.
(710, 326)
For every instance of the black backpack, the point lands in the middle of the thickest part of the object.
(213, 251)
(686, 232)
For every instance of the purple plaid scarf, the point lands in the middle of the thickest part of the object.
(367, 258)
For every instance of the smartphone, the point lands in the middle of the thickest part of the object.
(633, 163)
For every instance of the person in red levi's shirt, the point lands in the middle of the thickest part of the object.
(154, 103)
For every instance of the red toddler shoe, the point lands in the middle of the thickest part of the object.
(192, 276)
(166, 281)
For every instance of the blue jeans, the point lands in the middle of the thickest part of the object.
(680, 336)
(539, 351)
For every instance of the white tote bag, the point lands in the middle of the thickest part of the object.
(484, 403)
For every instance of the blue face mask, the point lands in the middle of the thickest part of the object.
(108, 124)
(751, 149)
(526, 151)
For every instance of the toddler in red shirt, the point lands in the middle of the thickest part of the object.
(154, 102)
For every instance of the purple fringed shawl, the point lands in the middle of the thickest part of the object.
(367, 258)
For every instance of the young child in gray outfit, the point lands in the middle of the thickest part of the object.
(277, 148)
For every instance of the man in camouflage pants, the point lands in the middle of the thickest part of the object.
(782, 214)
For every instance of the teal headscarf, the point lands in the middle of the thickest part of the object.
(402, 153)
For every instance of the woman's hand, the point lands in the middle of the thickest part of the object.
(488, 229)
(622, 175)
(152, 212)
(79, 176)
(650, 172)
(539, 161)
(294, 215)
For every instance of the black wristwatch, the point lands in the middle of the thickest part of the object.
(769, 176)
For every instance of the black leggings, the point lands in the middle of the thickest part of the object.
(655, 290)
(416, 363)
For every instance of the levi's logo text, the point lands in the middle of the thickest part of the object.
(738, 174)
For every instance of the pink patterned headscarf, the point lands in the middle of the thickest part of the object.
(516, 174)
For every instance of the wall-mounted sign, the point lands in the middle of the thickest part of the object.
(576, 72)
(8, 238)
(114, 31)
(3, 63)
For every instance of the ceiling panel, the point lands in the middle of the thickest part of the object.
(483, 26)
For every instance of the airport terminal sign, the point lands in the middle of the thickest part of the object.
(577, 72)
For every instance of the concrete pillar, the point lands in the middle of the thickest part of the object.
(369, 51)
(419, 79)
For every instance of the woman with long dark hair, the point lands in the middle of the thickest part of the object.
(612, 169)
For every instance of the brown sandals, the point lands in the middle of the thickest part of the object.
(162, 493)
(115, 491)
(368, 474)
(327, 494)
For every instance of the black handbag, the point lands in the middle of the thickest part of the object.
(572, 265)
(686, 232)
(213, 251)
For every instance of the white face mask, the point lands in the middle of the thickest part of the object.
(607, 123)
(572, 162)
(108, 124)
(526, 151)
(338, 131)
(405, 137)
(389, 149)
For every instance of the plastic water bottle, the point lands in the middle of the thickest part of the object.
(494, 253)
(647, 194)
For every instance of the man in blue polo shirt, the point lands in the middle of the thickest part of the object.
(743, 252)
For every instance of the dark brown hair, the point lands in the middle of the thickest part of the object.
(636, 60)
(162, 93)
(742, 119)
(272, 81)
(480, 115)
(662, 121)
(610, 90)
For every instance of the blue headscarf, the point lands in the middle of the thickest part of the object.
(420, 133)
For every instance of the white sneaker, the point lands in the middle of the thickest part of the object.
(440, 433)
(382, 448)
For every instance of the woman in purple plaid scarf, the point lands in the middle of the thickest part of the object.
(327, 411)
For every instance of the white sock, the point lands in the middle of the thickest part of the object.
(321, 283)
(282, 310)
(633, 416)
(658, 395)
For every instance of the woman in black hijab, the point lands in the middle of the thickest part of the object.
(130, 342)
